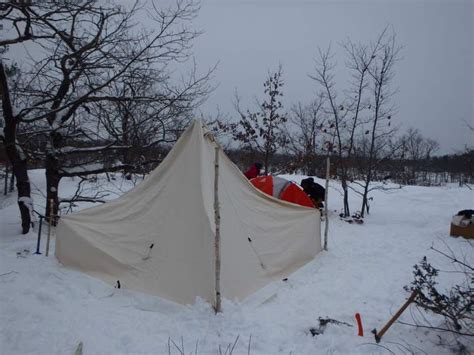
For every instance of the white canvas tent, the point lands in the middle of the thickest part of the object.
(261, 238)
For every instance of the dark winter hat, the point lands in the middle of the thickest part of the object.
(258, 165)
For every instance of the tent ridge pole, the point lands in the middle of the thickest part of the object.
(217, 219)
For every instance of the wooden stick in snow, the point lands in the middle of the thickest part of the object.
(217, 219)
(79, 349)
(326, 224)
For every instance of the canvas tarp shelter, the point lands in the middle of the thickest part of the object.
(261, 238)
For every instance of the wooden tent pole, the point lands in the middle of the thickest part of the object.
(326, 224)
(217, 219)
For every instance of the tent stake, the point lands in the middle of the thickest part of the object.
(326, 224)
(217, 218)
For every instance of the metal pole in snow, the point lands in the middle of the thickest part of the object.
(326, 225)
(217, 219)
(39, 235)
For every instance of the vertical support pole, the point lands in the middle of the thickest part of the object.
(51, 213)
(39, 235)
(217, 219)
(326, 224)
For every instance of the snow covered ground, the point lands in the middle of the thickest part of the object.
(46, 308)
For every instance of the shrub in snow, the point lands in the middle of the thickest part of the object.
(455, 304)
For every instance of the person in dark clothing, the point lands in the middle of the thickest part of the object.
(315, 191)
(253, 171)
(466, 213)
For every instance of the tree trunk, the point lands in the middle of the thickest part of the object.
(266, 162)
(345, 188)
(364, 205)
(5, 188)
(347, 211)
(127, 153)
(365, 202)
(15, 154)
(52, 184)
(24, 192)
(12, 182)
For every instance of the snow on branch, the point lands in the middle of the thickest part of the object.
(90, 169)
(79, 150)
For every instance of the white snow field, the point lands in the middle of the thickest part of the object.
(46, 308)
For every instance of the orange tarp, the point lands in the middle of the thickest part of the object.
(263, 183)
(293, 193)
(288, 191)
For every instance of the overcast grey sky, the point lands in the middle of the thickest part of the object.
(435, 76)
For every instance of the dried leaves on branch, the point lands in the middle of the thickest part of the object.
(456, 303)
(261, 131)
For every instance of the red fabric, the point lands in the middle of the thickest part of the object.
(252, 172)
(263, 183)
(291, 193)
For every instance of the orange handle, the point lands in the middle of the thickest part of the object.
(359, 325)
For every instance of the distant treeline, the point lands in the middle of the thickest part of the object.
(438, 170)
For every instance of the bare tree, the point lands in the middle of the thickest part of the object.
(345, 114)
(303, 134)
(96, 58)
(15, 153)
(382, 162)
(262, 130)
(468, 124)
(139, 127)
(325, 77)
(379, 128)
(417, 151)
